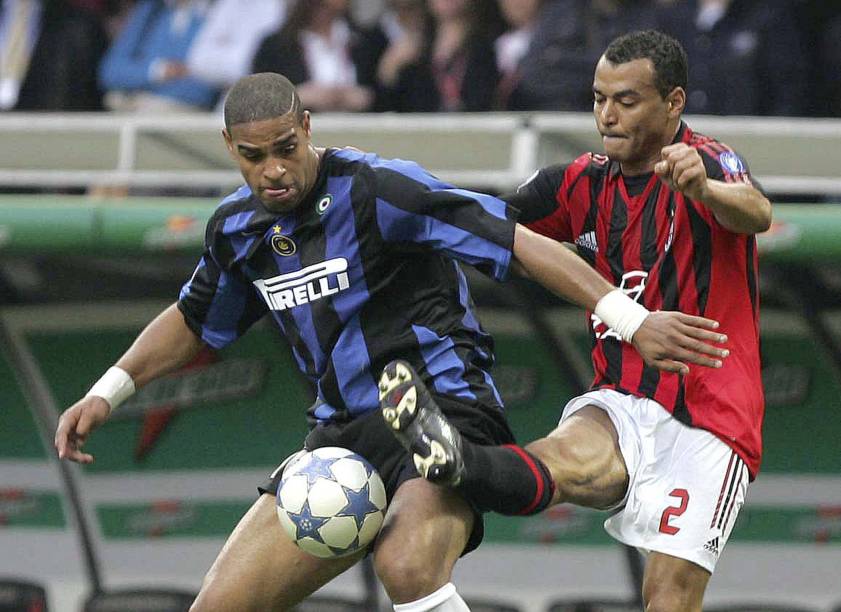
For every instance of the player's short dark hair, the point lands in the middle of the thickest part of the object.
(671, 68)
(261, 96)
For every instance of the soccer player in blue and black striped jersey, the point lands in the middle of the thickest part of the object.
(354, 257)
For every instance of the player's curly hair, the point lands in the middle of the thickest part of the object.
(261, 96)
(671, 68)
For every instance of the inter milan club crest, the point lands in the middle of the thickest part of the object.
(322, 205)
(281, 244)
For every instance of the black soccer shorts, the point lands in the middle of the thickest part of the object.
(369, 436)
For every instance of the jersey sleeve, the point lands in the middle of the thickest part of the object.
(218, 304)
(542, 206)
(728, 166)
(415, 209)
(722, 164)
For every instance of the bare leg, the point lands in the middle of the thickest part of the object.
(425, 532)
(671, 584)
(584, 459)
(260, 569)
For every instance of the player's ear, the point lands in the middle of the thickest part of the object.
(676, 100)
(229, 142)
(306, 125)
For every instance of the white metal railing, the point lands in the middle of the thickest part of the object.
(494, 151)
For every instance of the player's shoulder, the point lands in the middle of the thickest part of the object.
(240, 203)
(388, 175)
(717, 155)
(593, 165)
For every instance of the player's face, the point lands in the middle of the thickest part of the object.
(276, 158)
(635, 121)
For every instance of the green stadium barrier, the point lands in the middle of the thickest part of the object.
(60, 224)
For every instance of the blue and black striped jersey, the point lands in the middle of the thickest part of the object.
(361, 273)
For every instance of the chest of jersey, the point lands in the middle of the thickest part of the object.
(311, 258)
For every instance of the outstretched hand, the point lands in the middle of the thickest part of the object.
(671, 340)
(76, 423)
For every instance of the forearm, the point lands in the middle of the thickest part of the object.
(559, 269)
(163, 346)
(739, 207)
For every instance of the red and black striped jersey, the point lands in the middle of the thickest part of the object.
(669, 253)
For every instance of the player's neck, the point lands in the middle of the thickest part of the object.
(641, 167)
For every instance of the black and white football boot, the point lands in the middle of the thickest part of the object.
(420, 426)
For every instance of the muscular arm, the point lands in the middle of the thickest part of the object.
(164, 345)
(739, 207)
(558, 268)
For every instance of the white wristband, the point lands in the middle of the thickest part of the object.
(621, 313)
(115, 387)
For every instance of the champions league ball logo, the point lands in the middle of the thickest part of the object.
(731, 163)
(331, 502)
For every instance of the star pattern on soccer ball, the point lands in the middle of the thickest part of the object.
(307, 525)
(358, 506)
(319, 467)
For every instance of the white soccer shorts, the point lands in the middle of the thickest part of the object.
(686, 486)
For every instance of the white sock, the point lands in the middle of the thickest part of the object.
(444, 599)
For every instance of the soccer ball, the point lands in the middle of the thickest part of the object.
(331, 502)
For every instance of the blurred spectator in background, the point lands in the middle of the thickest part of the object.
(112, 14)
(224, 48)
(745, 57)
(456, 70)
(405, 24)
(331, 61)
(145, 69)
(556, 73)
(511, 46)
(49, 53)
(830, 66)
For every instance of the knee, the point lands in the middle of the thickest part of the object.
(408, 577)
(670, 598)
(575, 468)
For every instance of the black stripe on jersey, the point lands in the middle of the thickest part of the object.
(589, 255)
(648, 256)
(701, 256)
(537, 198)
(681, 411)
(618, 223)
(324, 316)
(195, 310)
(290, 329)
(668, 271)
(669, 298)
(648, 243)
(751, 272)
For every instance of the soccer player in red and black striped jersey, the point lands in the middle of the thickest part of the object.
(669, 216)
